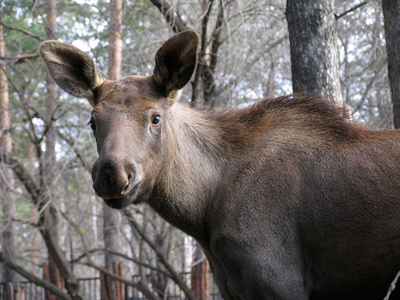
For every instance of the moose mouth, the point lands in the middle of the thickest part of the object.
(120, 203)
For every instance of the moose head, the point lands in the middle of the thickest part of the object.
(128, 117)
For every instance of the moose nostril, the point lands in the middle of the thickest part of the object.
(131, 175)
(126, 188)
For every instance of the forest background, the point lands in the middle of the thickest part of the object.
(53, 226)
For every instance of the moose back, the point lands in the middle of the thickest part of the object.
(289, 199)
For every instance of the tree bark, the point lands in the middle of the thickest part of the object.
(9, 247)
(313, 48)
(391, 14)
(51, 218)
(112, 236)
(34, 234)
(200, 275)
(114, 40)
(111, 217)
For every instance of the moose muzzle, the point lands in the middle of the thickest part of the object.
(112, 177)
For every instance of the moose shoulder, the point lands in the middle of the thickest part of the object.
(288, 198)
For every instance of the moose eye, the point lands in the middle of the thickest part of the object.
(92, 125)
(156, 120)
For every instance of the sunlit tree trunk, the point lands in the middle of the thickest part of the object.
(313, 48)
(9, 248)
(114, 40)
(391, 13)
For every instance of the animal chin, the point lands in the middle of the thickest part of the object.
(120, 203)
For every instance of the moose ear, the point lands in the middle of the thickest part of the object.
(72, 69)
(176, 61)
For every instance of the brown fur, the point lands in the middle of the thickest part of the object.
(288, 197)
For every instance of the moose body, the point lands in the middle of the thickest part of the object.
(289, 199)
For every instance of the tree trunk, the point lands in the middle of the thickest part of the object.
(200, 275)
(114, 40)
(313, 48)
(9, 247)
(112, 236)
(51, 137)
(391, 14)
(33, 232)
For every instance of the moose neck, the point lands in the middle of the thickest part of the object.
(195, 161)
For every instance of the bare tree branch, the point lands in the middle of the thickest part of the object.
(72, 143)
(71, 282)
(30, 185)
(23, 31)
(19, 57)
(136, 261)
(369, 86)
(23, 176)
(392, 286)
(351, 9)
(36, 280)
(140, 286)
(160, 256)
(263, 50)
(173, 19)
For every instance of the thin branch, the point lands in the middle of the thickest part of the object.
(72, 143)
(38, 281)
(136, 261)
(171, 16)
(23, 31)
(19, 57)
(392, 286)
(11, 82)
(23, 175)
(161, 257)
(351, 9)
(263, 50)
(53, 248)
(57, 255)
(140, 286)
(369, 87)
(32, 134)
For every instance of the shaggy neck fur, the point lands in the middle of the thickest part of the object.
(196, 161)
(203, 144)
